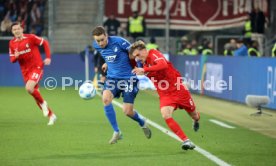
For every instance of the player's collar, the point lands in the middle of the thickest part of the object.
(24, 37)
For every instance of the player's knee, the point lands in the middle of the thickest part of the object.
(29, 89)
(166, 115)
(106, 101)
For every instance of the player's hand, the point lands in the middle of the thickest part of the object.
(47, 61)
(104, 67)
(16, 54)
(96, 70)
(138, 71)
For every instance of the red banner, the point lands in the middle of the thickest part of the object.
(187, 14)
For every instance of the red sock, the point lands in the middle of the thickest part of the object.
(38, 105)
(173, 125)
(50, 112)
(37, 96)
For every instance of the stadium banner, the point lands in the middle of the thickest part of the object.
(186, 14)
(230, 78)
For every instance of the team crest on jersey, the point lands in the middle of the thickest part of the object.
(27, 45)
(115, 49)
(110, 58)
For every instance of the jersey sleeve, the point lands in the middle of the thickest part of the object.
(36, 40)
(124, 44)
(11, 52)
(157, 60)
(39, 41)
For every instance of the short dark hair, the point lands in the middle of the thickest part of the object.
(15, 23)
(99, 30)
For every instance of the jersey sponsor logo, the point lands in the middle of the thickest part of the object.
(24, 51)
(110, 58)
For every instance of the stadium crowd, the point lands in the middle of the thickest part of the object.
(234, 47)
(29, 12)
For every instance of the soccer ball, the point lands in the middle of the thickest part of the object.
(87, 91)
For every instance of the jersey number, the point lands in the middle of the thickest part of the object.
(129, 88)
(35, 76)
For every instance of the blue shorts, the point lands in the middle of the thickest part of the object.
(127, 87)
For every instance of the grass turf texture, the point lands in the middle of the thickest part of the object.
(81, 134)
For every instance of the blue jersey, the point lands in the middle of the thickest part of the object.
(242, 51)
(116, 57)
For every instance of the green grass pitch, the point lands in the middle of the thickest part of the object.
(81, 134)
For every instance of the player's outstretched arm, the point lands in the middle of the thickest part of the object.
(161, 64)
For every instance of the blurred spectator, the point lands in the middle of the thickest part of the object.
(233, 43)
(152, 44)
(253, 49)
(207, 48)
(230, 47)
(247, 31)
(183, 44)
(273, 52)
(28, 12)
(5, 26)
(241, 49)
(136, 26)
(204, 42)
(123, 30)
(228, 50)
(12, 11)
(112, 25)
(189, 50)
(258, 20)
(36, 20)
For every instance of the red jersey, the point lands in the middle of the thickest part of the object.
(29, 55)
(159, 70)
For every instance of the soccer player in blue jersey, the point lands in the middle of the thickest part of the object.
(119, 80)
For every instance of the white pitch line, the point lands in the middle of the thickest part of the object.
(205, 153)
(221, 124)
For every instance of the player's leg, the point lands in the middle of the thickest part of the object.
(129, 95)
(167, 112)
(32, 88)
(128, 111)
(185, 101)
(134, 115)
(111, 115)
(190, 108)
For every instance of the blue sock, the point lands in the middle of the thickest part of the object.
(111, 116)
(138, 119)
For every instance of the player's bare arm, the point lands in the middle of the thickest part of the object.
(104, 67)
(138, 71)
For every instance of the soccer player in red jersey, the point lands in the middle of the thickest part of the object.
(23, 48)
(172, 93)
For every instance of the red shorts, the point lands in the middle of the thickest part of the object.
(34, 74)
(179, 99)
